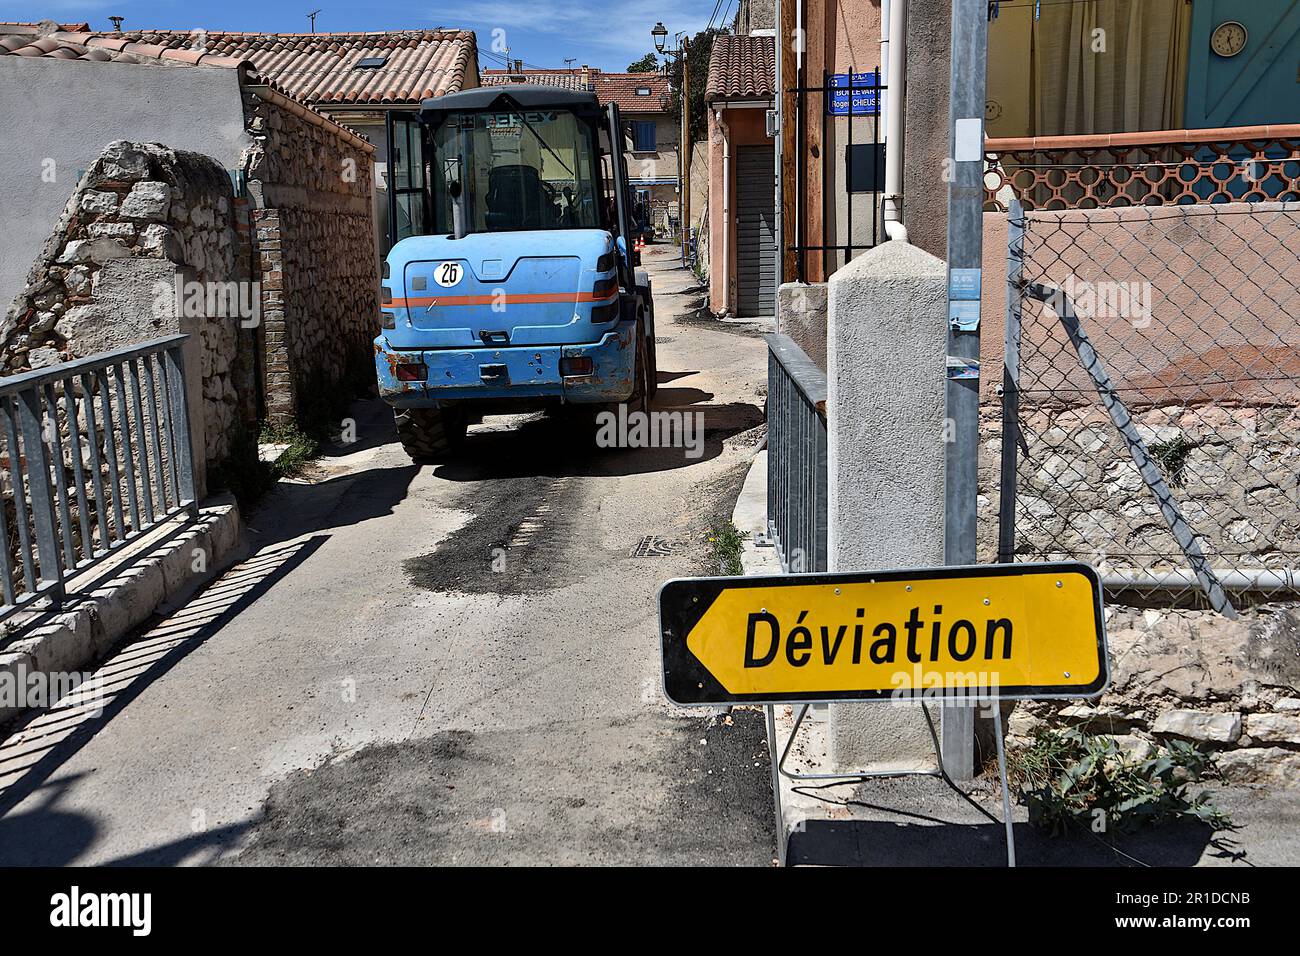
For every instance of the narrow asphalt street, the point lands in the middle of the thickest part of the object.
(446, 664)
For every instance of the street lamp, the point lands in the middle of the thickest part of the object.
(681, 47)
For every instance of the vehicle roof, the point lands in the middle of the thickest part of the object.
(526, 96)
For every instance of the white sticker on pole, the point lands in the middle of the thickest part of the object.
(968, 140)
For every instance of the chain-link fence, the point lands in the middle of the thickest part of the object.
(1151, 418)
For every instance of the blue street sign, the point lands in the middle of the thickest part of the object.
(858, 97)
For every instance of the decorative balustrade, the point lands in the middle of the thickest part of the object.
(1154, 168)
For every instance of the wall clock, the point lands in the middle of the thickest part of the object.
(1228, 38)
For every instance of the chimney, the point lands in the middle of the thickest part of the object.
(586, 77)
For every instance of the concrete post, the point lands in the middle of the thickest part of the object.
(886, 378)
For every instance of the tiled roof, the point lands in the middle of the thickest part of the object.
(26, 39)
(742, 67)
(316, 68)
(620, 88)
(48, 40)
(561, 78)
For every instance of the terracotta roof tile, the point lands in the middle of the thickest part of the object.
(314, 68)
(564, 80)
(620, 88)
(742, 67)
(320, 68)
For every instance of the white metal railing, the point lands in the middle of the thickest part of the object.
(95, 453)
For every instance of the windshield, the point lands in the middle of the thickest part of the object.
(507, 170)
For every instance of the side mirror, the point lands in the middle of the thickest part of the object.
(621, 244)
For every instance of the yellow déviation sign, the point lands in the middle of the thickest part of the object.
(1011, 631)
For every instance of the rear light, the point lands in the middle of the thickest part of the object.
(385, 294)
(577, 366)
(388, 320)
(604, 263)
(605, 313)
(386, 269)
(413, 372)
(604, 288)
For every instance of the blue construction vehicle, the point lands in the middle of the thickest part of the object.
(512, 282)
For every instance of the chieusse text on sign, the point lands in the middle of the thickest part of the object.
(995, 631)
(856, 94)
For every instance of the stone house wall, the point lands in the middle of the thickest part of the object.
(1232, 687)
(310, 184)
(106, 278)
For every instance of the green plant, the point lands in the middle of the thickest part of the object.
(247, 477)
(1071, 776)
(302, 449)
(1172, 456)
(725, 544)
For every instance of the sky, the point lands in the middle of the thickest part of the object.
(543, 33)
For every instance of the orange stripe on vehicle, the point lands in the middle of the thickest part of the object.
(518, 298)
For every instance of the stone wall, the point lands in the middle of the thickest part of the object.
(310, 182)
(1233, 469)
(106, 278)
(1233, 687)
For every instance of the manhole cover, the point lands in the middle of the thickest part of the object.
(653, 546)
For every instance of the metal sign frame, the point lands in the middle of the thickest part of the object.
(684, 602)
(680, 612)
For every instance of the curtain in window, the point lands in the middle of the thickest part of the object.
(1136, 81)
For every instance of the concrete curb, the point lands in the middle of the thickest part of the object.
(109, 601)
(750, 518)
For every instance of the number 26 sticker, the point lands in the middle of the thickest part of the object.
(447, 274)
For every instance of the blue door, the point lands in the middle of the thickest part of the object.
(1243, 64)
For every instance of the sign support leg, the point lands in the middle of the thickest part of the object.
(776, 783)
(1002, 778)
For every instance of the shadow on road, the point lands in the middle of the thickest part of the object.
(42, 742)
(944, 843)
(553, 447)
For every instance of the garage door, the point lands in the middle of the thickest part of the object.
(755, 231)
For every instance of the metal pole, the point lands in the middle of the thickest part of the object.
(685, 150)
(966, 103)
(1011, 385)
(776, 783)
(1061, 304)
(32, 416)
(778, 151)
(1006, 790)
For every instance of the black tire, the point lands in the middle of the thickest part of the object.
(430, 434)
(639, 400)
(652, 352)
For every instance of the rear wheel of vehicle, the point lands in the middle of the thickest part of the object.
(652, 352)
(430, 434)
(640, 398)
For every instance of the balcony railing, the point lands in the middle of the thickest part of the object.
(796, 453)
(95, 452)
(1154, 168)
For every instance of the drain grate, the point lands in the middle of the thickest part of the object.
(653, 546)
